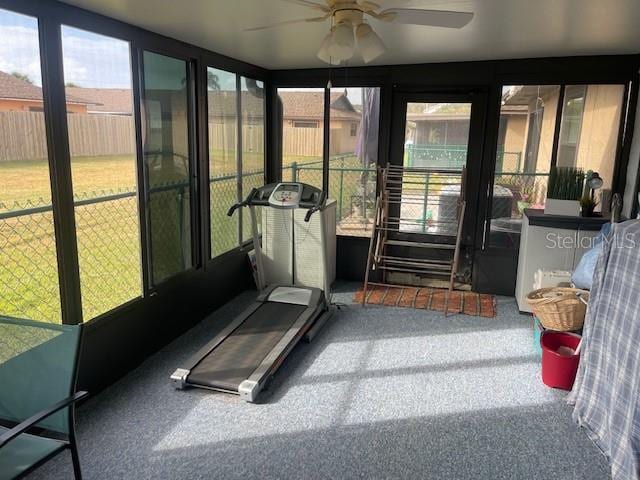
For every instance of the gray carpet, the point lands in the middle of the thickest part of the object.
(380, 393)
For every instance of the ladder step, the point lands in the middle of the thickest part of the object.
(413, 270)
(418, 260)
(408, 263)
(404, 243)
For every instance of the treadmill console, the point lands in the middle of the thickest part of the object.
(286, 195)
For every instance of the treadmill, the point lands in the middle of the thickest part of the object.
(246, 353)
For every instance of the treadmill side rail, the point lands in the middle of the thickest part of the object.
(251, 387)
(179, 378)
(249, 390)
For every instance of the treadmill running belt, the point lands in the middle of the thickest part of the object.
(237, 357)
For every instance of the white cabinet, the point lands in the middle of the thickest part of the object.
(559, 246)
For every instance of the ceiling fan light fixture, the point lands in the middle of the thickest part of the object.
(323, 53)
(342, 41)
(370, 44)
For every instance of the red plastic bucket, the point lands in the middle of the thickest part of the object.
(558, 369)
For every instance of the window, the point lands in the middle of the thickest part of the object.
(252, 160)
(588, 137)
(99, 103)
(590, 127)
(28, 266)
(572, 109)
(534, 132)
(305, 124)
(167, 161)
(227, 187)
(436, 138)
(353, 157)
(523, 160)
(302, 147)
(223, 159)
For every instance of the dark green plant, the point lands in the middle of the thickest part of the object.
(587, 204)
(565, 183)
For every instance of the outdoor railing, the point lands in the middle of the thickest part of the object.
(108, 234)
(455, 157)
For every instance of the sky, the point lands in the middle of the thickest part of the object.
(90, 60)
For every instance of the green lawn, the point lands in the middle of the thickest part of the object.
(108, 237)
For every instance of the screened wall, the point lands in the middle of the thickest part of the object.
(117, 183)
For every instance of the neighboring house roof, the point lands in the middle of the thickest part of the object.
(310, 105)
(440, 112)
(13, 88)
(117, 101)
(526, 94)
(508, 109)
(222, 103)
(431, 117)
(296, 105)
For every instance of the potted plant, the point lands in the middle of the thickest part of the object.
(526, 199)
(587, 205)
(565, 189)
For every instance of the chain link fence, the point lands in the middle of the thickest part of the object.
(109, 242)
(224, 229)
(107, 229)
(108, 249)
(28, 266)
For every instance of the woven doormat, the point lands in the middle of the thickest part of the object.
(469, 303)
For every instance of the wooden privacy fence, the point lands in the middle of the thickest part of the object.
(297, 141)
(302, 141)
(22, 135)
(222, 136)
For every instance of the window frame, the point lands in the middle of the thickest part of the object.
(562, 142)
(152, 286)
(240, 194)
(619, 165)
(50, 18)
(138, 160)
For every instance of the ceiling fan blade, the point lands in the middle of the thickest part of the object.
(288, 22)
(368, 5)
(429, 18)
(307, 3)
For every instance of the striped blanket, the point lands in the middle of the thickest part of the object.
(606, 394)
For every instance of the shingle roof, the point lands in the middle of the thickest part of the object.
(16, 89)
(304, 105)
(105, 100)
(296, 105)
(222, 103)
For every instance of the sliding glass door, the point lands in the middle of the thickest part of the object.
(167, 161)
(441, 134)
(29, 285)
(102, 144)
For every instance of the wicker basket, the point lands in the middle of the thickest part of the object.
(559, 308)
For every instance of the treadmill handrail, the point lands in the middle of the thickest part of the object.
(317, 207)
(246, 202)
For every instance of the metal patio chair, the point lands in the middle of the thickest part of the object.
(38, 369)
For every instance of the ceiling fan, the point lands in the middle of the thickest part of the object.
(348, 25)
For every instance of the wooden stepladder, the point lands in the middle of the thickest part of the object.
(415, 202)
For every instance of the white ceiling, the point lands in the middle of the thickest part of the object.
(500, 29)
